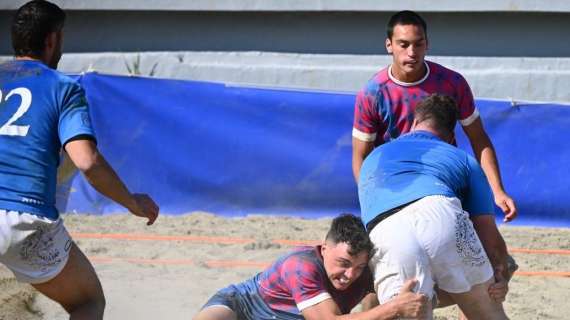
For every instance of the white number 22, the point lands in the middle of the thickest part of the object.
(8, 129)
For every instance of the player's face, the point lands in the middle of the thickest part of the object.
(342, 268)
(408, 47)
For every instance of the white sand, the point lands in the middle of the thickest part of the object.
(158, 289)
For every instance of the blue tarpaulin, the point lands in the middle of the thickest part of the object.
(240, 150)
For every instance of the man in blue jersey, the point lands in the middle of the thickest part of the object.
(384, 107)
(417, 195)
(41, 112)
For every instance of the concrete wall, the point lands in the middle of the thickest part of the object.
(484, 34)
(505, 48)
(306, 5)
(512, 78)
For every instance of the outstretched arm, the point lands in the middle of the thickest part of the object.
(86, 157)
(487, 157)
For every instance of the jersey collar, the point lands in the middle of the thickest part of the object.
(408, 84)
(422, 134)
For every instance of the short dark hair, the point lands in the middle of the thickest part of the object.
(440, 111)
(348, 228)
(405, 17)
(31, 25)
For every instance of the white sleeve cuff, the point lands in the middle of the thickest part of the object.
(363, 136)
(313, 301)
(469, 120)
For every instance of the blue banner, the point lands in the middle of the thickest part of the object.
(238, 150)
(533, 150)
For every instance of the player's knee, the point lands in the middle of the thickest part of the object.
(96, 305)
(93, 304)
(100, 302)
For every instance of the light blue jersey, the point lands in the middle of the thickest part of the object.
(40, 111)
(417, 165)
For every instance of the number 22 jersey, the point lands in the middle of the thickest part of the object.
(40, 111)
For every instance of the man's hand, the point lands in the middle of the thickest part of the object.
(85, 156)
(144, 206)
(507, 204)
(409, 304)
(498, 290)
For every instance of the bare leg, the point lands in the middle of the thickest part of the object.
(76, 288)
(216, 313)
(443, 298)
(477, 304)
(512, 267)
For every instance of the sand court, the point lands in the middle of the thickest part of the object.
(169, 270)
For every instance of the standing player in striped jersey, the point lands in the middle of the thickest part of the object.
(384, 108)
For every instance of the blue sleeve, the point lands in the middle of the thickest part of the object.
(479, 198)
(74, 119)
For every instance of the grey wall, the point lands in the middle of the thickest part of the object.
(507, 49)
(485, 34)
(308, 5)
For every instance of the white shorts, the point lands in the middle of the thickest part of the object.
(34, 248)
(433, 241)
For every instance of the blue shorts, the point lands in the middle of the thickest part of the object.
(245, 301)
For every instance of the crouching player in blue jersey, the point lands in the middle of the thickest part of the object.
(315, 283)
(424, 203)
(41, 112)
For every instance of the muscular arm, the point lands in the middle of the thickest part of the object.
(360, 150)
(407, 304)
(86, 157)
(487, 157)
